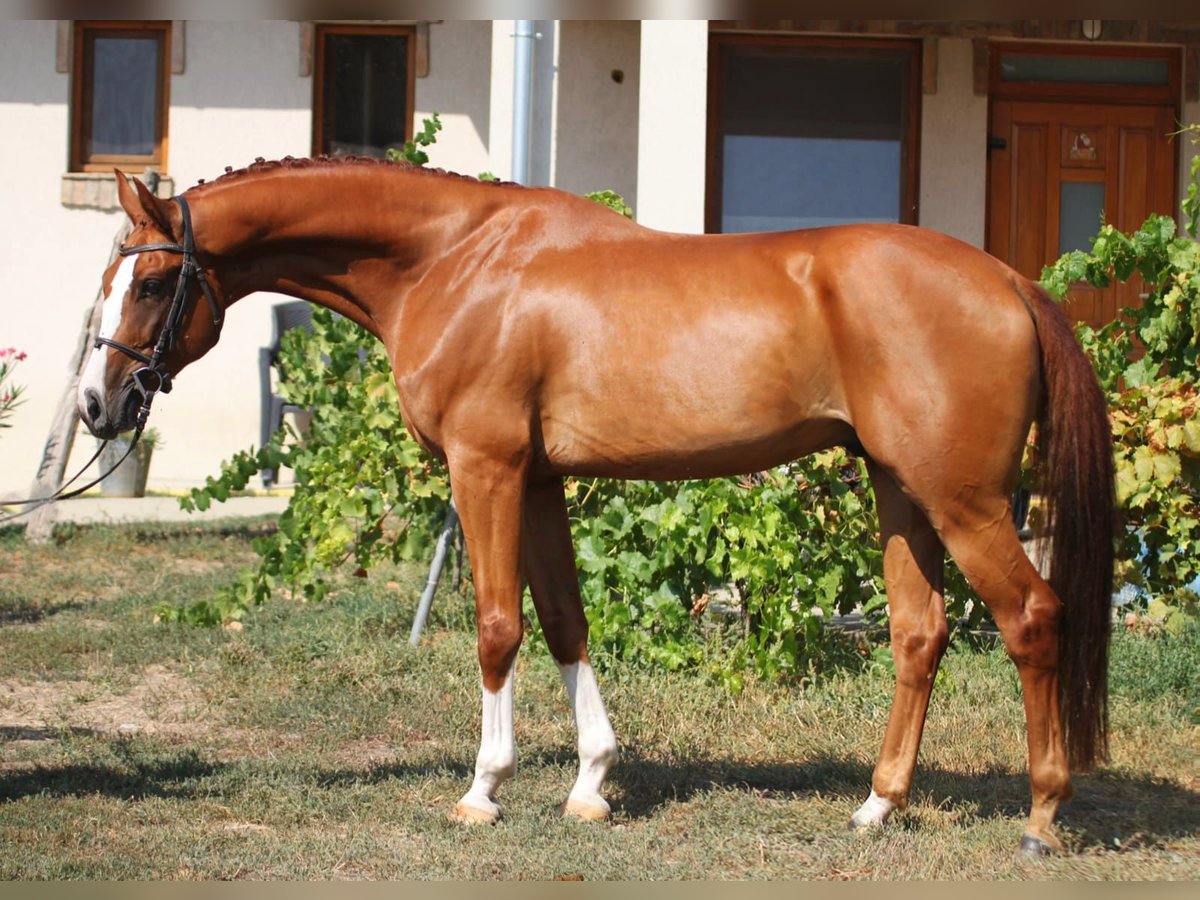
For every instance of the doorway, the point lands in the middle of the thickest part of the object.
(1066, 156)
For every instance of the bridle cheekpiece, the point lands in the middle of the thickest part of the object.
(152, 378)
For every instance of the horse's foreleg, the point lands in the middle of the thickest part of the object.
(489, 498)
(913, 562)
(549, 563)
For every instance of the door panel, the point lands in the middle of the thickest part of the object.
(1054, 165)
(1029, 197)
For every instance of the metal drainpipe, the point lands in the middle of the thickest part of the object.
(522, 98)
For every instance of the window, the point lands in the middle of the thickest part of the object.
(1085, 73)
(811, 132)
(120, 85)
(363, 89)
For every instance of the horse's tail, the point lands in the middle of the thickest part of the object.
(1074, 442)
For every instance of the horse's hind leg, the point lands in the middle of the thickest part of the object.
(983, 541)
(548, 558)
(913, 562)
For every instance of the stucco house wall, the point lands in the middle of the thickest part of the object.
(242, 94)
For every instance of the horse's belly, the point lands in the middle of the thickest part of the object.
(660, 450)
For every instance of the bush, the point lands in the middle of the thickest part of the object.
(10, 394)
(1147, 666)
(1147, 364)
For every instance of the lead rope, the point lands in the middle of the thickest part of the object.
(62, 493)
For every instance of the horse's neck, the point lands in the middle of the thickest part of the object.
(332, 237)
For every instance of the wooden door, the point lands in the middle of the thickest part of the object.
(1056, 168)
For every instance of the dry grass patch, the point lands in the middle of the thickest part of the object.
(315, 743)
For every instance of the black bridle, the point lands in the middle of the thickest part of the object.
(152, 377)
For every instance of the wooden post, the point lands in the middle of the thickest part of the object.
(66, 418)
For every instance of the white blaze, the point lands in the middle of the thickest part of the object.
(95, 371)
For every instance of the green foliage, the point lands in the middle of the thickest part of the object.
(1149, 663)
(364, 489)
(657, 563)
(1147, 363)
(412, 150)
(613, 201)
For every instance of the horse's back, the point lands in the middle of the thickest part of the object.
(736, 352)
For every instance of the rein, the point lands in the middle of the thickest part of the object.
(62, 493)
(151, 378)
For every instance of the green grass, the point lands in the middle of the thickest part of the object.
(315, 744)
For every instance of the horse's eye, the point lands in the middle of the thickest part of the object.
(151, 287)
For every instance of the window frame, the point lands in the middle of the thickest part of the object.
(320, 32)
(910, 147)
(82, 85)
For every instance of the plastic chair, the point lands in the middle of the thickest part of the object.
(295, 314)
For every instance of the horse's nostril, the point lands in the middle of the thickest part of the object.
(93, 404)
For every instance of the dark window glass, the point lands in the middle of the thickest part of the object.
(812, 135)
(1080, 214)
(365, 94)
(1084, 69)
(125, 95)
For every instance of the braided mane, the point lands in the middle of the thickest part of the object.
(262, 166)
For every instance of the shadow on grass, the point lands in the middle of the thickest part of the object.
(27, 613)
(172, 775)
(1107, 805)
(39, 733)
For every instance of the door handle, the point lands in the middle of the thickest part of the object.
(997, 143)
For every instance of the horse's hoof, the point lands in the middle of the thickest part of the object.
(465, 814)
(1034, 848)
(875, 811)
(588, 812)
(857, 824)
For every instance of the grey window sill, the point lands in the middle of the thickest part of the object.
(98, 190)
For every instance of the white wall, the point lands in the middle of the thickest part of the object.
(241, 96)
(953, 173)
(50, 257)
(672, 125)
(500, 93)
(597, 126)
(458, 88)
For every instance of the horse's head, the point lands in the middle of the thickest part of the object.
(153, 322)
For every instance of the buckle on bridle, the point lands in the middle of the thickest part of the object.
(150, 381)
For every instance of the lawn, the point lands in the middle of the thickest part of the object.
(313, 743)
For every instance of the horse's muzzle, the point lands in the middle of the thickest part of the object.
(105, 422)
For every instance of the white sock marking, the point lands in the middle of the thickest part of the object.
(497, 757)
(874, 811)
(597, 742)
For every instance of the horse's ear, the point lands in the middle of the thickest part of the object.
(128, 197)
(139, 203)
(159, 211)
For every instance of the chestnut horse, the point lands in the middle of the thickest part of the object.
(536, 335)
